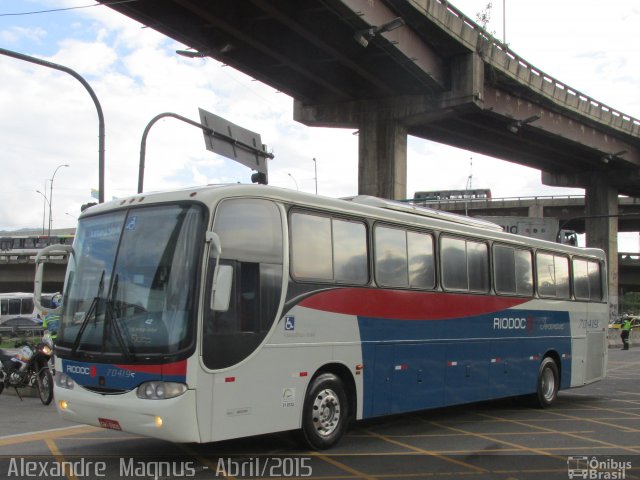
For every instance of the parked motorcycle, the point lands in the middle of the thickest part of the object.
(28, 368)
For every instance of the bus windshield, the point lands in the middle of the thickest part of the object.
(131, 283)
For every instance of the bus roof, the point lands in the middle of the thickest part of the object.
(379, 208)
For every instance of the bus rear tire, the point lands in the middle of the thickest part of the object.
(325, 413)
(548, 383)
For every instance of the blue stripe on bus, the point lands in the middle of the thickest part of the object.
(124, 377)
(413, 364)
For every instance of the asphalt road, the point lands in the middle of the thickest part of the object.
(592, 432)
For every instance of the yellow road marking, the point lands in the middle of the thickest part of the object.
(50, 434)
(600, 442)
(341, 466)
(60, 458)
(493, 439)
(598, 422)
(213, 467)
(447, 435)
(426, 452)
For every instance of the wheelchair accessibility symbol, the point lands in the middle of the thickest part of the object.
(289, 323)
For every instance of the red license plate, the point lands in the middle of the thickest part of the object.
(110, 424)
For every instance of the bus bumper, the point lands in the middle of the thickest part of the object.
(173, 419)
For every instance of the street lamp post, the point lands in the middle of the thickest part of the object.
(294, 181)
(315, 169)
(51, 194)
(96, 102)
(46, 200)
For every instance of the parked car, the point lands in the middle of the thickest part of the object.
(635, 322)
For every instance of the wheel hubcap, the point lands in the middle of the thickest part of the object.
(548, 384)
(326, 412)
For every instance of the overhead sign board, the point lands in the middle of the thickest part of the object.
(234, 142)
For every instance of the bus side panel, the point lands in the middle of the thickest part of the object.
(418, 364)
(422, 385)
(266, 392)
(467, 372)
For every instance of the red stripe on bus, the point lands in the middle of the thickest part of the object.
(175, 368)
(407, 305)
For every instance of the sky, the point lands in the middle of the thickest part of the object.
(47, 119)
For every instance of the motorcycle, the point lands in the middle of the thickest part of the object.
(28, 368)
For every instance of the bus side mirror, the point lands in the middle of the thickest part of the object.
(41, 257)
(222, 277)
(221, 294)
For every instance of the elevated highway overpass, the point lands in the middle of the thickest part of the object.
(392, 68)
(570, 210)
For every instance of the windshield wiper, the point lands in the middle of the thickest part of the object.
(93, 309)
(113, 321)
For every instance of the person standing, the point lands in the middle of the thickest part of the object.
(625, 331)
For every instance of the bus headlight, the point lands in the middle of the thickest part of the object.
(160, 390)
(64, 381)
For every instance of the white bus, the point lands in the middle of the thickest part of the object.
(227, 311)
(15, 304)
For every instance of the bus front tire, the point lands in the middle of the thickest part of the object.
(548, 383)
(325, 412)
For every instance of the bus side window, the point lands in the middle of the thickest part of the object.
(586, 280)
(553, 275)
(595, 281)
(404, 258)
(513, 271)
(465, 264)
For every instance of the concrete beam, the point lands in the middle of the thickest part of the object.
(465, 93)
(405, 42)
(557, 124)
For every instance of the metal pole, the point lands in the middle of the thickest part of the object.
(504, 21)
(44, 205)
(84, 83)
(315, 168)
(51, 197)
(46, 200)
(294, 181)
(143, 142)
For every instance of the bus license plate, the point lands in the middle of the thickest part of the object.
(110, 424)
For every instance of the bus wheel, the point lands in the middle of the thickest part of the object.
(548, 383)
(325, 413)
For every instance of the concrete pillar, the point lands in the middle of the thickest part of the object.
(536, 211)
(382, 158)
(601, 200)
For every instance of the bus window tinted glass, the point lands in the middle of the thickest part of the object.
(256, 230)
(553, 275)
(562, 277)
(478, 266)
(422, 272)
(524, 273)
(580, 279)
(595, 281)
(391, 257)
(454, 263)
(504, 269)
(546, 275)
(14, 306)
(311, 247)
(350, 252)
(513, 271)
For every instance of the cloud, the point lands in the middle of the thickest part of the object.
(13, 35)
